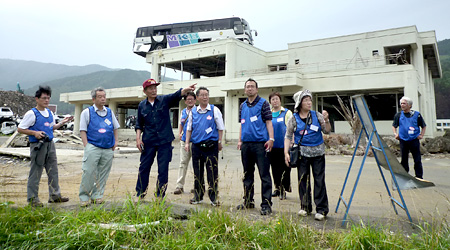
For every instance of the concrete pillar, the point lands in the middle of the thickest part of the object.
(122, 113)
(230, 63)
(417, 93)
(432, 103)
(411, 89)
(229, 119)
(76, 121)
(156, 70)
(113, 106)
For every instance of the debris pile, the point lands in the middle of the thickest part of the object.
(63, 137)
(18, 102)
(338, 144)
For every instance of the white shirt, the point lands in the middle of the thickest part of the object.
(217, 117)
(84, 118)
(30, 118)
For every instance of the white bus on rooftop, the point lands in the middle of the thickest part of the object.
(179, 34)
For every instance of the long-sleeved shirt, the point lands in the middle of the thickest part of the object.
(154, 120)
(306, 150)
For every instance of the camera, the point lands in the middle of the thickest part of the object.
(41, 142)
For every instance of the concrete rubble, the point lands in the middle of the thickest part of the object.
(21, 140)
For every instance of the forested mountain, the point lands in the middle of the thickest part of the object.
(105, 79)
(30, 73)
(442, 86)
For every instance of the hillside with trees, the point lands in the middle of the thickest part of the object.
(30, 73)
(442, 86)
(105, 79)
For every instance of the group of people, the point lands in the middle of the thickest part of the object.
(265, 137)
(266, 134)
(98, 131)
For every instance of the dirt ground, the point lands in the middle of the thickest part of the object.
(371, 202)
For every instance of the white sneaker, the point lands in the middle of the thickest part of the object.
(319, 217)
(215, 203)
(302, 213)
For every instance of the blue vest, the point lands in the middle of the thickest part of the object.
(42, 124)
(253, 128)
(100, 132)
(279, 129)
(183, 122)
(408, 129)
(313, 137)
(203, 126)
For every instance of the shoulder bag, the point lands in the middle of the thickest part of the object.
(294, 151)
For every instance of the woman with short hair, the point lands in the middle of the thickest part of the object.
(309, 124)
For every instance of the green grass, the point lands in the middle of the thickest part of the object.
(45, 228)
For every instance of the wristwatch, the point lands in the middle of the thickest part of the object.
(220, 142)
(271, 139)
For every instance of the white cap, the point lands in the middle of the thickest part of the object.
(298, 97)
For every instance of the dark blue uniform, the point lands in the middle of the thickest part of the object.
(154, 122)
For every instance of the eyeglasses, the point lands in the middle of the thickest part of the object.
(190, 99)
(203, 95)
(45, 98)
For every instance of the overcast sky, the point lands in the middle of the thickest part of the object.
(101, 32)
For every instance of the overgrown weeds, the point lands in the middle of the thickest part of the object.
(149, 226)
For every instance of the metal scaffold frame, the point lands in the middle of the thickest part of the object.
(371, 135)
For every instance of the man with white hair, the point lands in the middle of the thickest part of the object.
(409, 133)
(98, 131)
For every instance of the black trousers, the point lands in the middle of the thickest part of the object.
(317, 164)
(280, 172)
(413, 147)
(254, 153)
(208, 157)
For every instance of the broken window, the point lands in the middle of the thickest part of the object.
(381, 106)
(280, 67)
(398, 55)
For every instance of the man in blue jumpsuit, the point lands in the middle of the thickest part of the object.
(153, 123)
(255, 140)
(409, 133)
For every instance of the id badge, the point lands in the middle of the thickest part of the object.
(314, 128)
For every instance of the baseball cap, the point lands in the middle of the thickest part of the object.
(149, 82)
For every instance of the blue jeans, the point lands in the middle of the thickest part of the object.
(147, 158)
